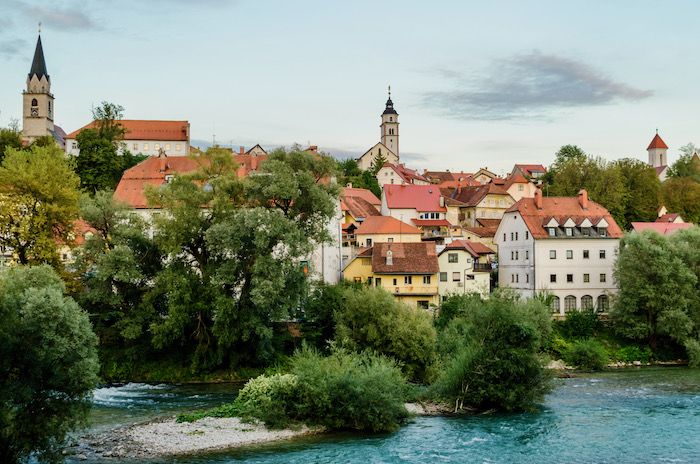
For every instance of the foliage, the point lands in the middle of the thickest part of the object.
(38, 203)
(454, 306)
(682, 195)
(48, 364)
(658, 298)
(318, 323)
(587, 354)
(491, 356)
(631, 353)
(641, 191)
(686, 165)
(692, 347)
(350, 172)
(103, 156)
(371, 318)
(271, 399)
(10, 137)
(579, 324)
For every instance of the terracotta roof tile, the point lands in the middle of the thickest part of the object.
(484, 232)
(472, 196)
(385, 225)
(492, 223)
(410, 196)
(474, 248)
(362, 193)
(670, 217)
(358, 207)
(407, 258)
(656, 142)
(431, 222)
(664, 228)
(516, 179)
(147, 130)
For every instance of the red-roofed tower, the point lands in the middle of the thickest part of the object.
(657, 152)
(390, 127)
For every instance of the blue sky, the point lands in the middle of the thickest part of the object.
(476, 84)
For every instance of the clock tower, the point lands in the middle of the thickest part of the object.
(390, 127)
(38, 107)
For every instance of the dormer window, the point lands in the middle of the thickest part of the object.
(552, 231)
(569, 231)
(389, 258)
(585, 231)
(602, 231)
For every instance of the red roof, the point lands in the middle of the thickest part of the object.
(407, 258)
(561, 209)
(385, 225)
(471, 196)
(445, 176)
(660, 169)
(473, 248)
(530, 168)
(468, 182)
(431, 222)
(150, 171)
(148, 130)
(670, 217)
(358, 207)
(362, 193)
(407, 175)
(483, 232)
(410, 196)
(516, 179)
(656, 142)
(664, 228)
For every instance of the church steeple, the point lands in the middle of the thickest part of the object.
(38, 64)
(390, 127)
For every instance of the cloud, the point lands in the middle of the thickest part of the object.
(528, 86)
(13, 47)
(62, 19)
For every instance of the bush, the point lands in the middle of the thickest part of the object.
(491, 356)
(579, 324)
(692, 347)
(371, 318)
(587, 354)
(630, 354)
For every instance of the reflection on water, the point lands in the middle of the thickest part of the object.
(649, 415)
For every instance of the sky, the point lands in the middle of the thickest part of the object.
(476, 84)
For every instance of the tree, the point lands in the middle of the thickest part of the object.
(38, 203)
(351, 173)
(642, 191)
(658, 297)
(490, 354)
(682, 195)
(10, 137)
(103, 155)
(565, 154)
(48, 364)
(687, 165)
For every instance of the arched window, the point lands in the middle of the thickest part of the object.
(569, 303)
(34, 102)
(587, 302)
(603, 303)
(555, 304)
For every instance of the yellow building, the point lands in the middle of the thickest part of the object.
(380, 229)
(467, 205)
(409, 271)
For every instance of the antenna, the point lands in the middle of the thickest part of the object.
(39, 27)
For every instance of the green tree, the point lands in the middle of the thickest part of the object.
(658, 289)
(10, 137)
(491, 357)
(682, 195)
(48, 364)
(38, 203)
(687, 165)
(103, 155)
(642, 191)
(565, 154)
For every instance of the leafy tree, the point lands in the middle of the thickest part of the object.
(687, 165)
(587, 354)
(10, 137)
(491, 355)
(351, 173)
(38, 203)
(658, 297)
(103, 155)
(371, 318)
(682, 195)
(642, 191)
(565, 154)
(349, 168)
(48, 364)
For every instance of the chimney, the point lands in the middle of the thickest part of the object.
(442, 201)
(583, 199)
(403, 183)
(242, 150)
(425, 171)
(538, 198)
(349, 185)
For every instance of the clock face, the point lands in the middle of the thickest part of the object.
(35, 112)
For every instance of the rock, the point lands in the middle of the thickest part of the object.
(637, 363)
(107, 454)
(82, 457)
(414, 408)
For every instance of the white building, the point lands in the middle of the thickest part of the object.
(565, 246)
(465, 267)
(388, 147)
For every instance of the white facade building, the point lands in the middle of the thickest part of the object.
(565, 246)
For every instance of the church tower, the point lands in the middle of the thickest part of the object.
(657, 152)
(38, 101)
(390, 127)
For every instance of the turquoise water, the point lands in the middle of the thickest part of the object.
(649, 415)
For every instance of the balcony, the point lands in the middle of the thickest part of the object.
(482, 267)
(414, 290)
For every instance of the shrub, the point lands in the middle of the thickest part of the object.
(271, 399)
(491, 356)
(692, 347)
(579, 324)
(634, 353)
(370, 318)
(587, 354)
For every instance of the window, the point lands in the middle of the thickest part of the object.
(407, 280)
(602, 277)
(456, 276)
(601, 231)
(167, 147)
(517, 278)
(516, 235)
(145, 146)
(569, 303)
(555, 304)
(369, 242)
(369, 281)
(553, 278)
(570, 278)
(443, 277)
(602, 254)
(520, 188)
(586, 278)
(423, 304)
(452, 257)
(136, 146)
(527, 278)
(378, 281)
(512, 278)
(569, 254)
(394, 282)
(603, 303)
(390, 239)
(500, 203)
(483, 214)
(178, 147)
(470, 276)
(569, 232)
(552, 254)
(527, 235)
(157, 146)
(493, 202)
(75, 145)
(585, 254)
(527, 254)
(34, 102)
(504, 237)
(512, 235)
(512, 255)
(516, 255)
(585, 231)
(587, 302)
(357, 279)
(552, 231)
(426, 280)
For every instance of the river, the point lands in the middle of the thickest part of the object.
(642, 415)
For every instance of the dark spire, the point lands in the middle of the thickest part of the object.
(389, 105)
(38, 64)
